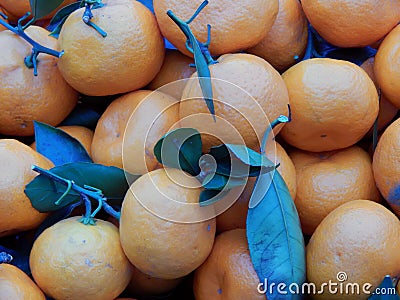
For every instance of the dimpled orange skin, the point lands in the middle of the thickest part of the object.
(154, 117)
(146, 286)
(387, 66)
(16, 285)
(176, 67)
(360, 238)
(228, 273)
(334, 103)
(82, 134)
(348, 23)
(155, 245)
(387, 110)
(261, 96)
(70, 260)
(287, 38)
(127, 59)
(329, 179)
(23, 97)
(16, 211)
(235, 216)
(233, 27)
(129, 129)
(386, 165)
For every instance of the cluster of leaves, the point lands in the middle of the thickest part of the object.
(275, 239)
(226, 166)
(71, 162)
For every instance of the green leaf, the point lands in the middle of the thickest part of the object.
(239, 161)
(274, 236)
(44, 192)
(215, 182)
(82, 115)
(202, 57)
(385, 291)
(59, 18)
(180, 149)
(219, 182)
(208, 197)
(58, 146)
(41, 8)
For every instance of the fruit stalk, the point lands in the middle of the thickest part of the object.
(86, 192)
(30, 60)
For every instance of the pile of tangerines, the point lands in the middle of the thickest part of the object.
(345, 187)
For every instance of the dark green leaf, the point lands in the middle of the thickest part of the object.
(208, 197)
(385, 291)
(44, 192)
(239, 161)
(59, 18)
(180, 149)
(41, 8)
(219, 182)
(82, 115)
(199, 51)
(215, 182)
(274, 236)
(241, 152)
(58, 146)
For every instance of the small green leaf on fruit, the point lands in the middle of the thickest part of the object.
(180, 149)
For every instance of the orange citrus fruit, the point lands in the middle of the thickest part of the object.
(235, 216)
(228, 273)
(386, 165)
(356, 243)
(176, 67)
(348, 23)
(130, 127)
(16, 211)
(128, 58)
(24, 97)
(70, 260)
(387, 66)
(16, 285)
(233, 27)
(146, 286)
(153, 238)
(328, 179)
(287, 39)
(334, 103)
(387, 111)
(82, 134)
(247, 92)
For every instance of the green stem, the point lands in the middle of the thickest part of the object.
(88, 15)
(108, 209)
(5, 258)
(30, 60)
(202, 56)
(87, 218)
(86, 193)
(281, 119)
